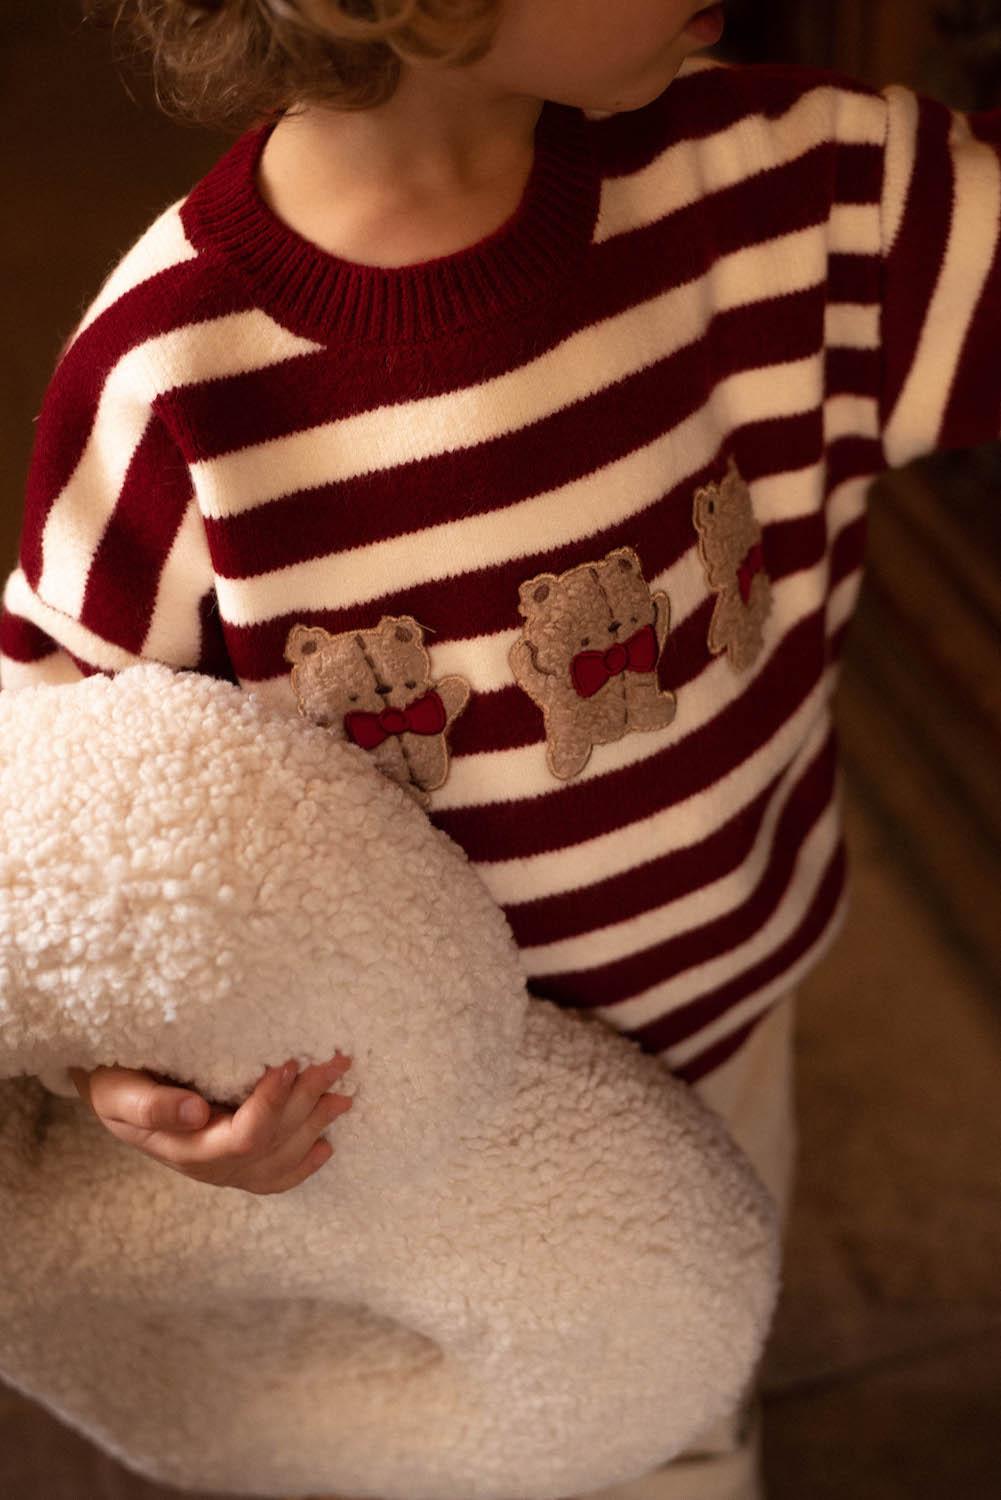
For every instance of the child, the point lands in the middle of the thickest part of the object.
(530, 336)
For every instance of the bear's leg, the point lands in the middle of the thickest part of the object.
(568, 752)
(648, 707)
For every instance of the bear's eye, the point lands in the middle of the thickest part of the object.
(352, 697)
(711, 507)
(634, 618)
(585, 640)
(410, 683)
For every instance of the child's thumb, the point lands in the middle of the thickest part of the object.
(192, 1112)
(133, 1097)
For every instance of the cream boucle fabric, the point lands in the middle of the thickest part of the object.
(536, 1264)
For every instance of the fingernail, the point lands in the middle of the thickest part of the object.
(191, 1112)
(288, 1073)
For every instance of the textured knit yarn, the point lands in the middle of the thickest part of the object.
(772, 283)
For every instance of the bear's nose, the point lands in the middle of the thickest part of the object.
(614, 625)
(383, 687)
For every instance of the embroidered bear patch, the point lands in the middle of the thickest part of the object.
(373, 688)
(588, 656)
(730, 547)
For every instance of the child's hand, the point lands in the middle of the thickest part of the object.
(268, 1145)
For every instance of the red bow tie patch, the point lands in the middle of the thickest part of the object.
(753, 563)
(424, 716)
(590, 670)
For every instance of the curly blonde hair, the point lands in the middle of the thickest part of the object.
(228, 64)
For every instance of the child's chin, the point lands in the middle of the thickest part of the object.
(639, 100)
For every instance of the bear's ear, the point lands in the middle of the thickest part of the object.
(535, 591)
(305, 640)
(402, 628)
(706, 508)
(627, 560)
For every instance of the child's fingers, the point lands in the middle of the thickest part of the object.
(278, 1110)
(270, 1168)
(270, 1129)
(271, 1143)
(320, 1152)
(216, 1140)
(257, 1122)
(305, 1150)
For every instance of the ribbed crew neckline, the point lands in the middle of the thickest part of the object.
(320, 296)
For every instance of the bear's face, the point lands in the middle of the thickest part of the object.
(395, 650)
(359, 671)
(627, 593)
(591, 607)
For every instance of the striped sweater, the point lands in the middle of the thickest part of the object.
(603, 474)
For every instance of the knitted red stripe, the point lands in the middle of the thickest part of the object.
(550, 919)
(685, 1020)
(605, 984)
(583, 810)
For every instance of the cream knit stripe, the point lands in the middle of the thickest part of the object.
(174, 634)
(852, 499)
(234, 345)
(57, 670)
(917, 418)
(585, 506)
(71, 536)
(900, 145)
(79, 515)
(19, 599)
(691, 170)
(617, 940)
(812, 860)
(755, 1005)
(841, 604)
(483, 659)
(593, 359)
(849, 415)
(851, 325)
(578, 865)
(219, 348)
(161, 247)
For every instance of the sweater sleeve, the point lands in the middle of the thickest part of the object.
(940, 223)
(113, 563)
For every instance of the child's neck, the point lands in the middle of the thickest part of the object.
(417, 179)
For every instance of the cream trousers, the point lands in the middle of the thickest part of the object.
(753, 1092)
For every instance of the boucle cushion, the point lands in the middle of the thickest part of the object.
(536, 1264)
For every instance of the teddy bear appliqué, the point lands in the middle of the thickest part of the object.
(588, 656)
(374, 689)
(730, 547)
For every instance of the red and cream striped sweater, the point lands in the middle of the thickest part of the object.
(607, 468)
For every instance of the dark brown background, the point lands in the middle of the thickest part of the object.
(883, 1372)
